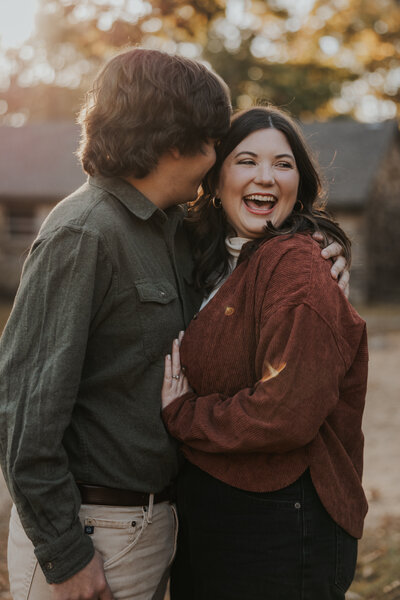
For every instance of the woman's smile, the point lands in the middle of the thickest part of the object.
(260, 204)
(258, 183)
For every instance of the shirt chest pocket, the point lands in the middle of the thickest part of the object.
(160, 315)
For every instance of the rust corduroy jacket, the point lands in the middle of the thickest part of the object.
(278, 364)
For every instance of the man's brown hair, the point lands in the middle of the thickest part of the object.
(145, 102)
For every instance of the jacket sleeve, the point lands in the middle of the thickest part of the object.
(42, 353)
(300, 368)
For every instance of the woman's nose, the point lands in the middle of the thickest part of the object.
(265, 175)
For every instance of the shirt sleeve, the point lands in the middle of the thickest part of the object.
(42, 352)
(300, 368)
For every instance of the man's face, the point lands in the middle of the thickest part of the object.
(192, 171)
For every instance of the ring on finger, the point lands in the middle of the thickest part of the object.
(175, 376)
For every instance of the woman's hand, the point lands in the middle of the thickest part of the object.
(175, 382)
(339, 269)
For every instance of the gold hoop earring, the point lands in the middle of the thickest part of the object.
(216, 202)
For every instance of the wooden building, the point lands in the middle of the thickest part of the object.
(361, 163)
(37, 169)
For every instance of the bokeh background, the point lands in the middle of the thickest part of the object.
(334, 64)
(319, 58)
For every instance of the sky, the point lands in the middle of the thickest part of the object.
(17, 17)
(17, 21)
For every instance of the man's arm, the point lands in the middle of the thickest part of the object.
(339, 270)
(42, 352)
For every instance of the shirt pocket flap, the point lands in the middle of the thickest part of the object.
(160, 291)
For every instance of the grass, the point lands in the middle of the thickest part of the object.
(4, 588)
(378, 568)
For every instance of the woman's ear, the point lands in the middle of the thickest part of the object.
(175, 153)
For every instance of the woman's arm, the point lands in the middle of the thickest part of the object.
(302, 368)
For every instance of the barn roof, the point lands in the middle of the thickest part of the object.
(350, 154)
(37, 161)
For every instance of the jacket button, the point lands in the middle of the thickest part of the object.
(162, 294)
(49, 566)
(297, 505)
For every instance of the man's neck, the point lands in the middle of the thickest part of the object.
(156, 186)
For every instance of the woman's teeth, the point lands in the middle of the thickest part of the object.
(260, 201)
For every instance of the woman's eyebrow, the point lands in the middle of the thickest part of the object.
(246, 152)
(255, 154)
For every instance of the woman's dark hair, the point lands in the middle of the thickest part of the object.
(145, 102)
(208, 224)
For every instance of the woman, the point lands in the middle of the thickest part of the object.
(270, 501)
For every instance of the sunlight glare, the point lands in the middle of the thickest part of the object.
(17, 21)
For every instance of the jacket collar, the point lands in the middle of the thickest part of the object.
(132, 199)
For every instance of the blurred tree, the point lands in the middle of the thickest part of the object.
(361, 36)
(318, 58)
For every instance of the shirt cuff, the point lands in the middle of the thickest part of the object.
(64, 557)
(172, 408)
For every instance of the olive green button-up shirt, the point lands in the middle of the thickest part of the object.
(104, 291)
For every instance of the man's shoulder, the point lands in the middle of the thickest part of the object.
(88, 207)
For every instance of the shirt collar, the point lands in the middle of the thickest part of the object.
(133, 199)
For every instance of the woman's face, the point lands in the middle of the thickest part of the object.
(258, 182)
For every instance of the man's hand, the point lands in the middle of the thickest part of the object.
(88, 584)
(339, 269)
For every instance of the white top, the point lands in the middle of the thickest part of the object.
(234, 247)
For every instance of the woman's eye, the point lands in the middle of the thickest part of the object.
(247, 162)
(285, 165)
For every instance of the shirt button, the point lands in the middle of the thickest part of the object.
(297, 505)
(49, 566)
(162, 294)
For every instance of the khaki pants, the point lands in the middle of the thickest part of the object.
(138, 545)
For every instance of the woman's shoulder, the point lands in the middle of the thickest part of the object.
(301, 244)
(285, 256)
(291, 270)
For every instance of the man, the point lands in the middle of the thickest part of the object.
(105, 289)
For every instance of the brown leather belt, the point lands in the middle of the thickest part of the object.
(96, 494)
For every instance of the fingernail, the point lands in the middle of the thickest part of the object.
(324, 253)
(168, 357)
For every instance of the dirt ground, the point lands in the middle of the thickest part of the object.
(381, 428)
